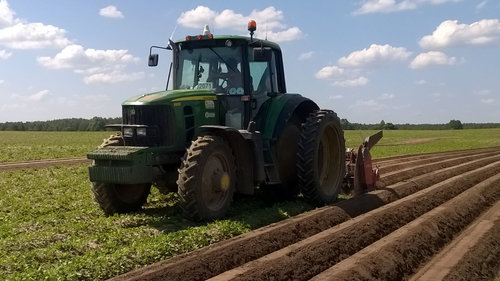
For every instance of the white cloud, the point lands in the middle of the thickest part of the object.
(227, 18)
(336, 97)
(38, 96)
(339, 77)
(391, 6)
(113, 77)
(375, 55)
(96, 65)
(6, 14)
(349, 74)
(306, 55)
(290, 34)
(33, 36)
(269, 22)
(17, 34)
(269, 18)
(110, 12)
(482, 93)
(330, 72)
(421, 82)
(198, 17)
(387, 96)
(75, 56)
(451, 33)
(367, 106)
(360, 81)
(385, 6)
(4, 54)
(436, 96)
(96, 98)
(488, 101)
(481, 5)
(432, 58)
(439, 2)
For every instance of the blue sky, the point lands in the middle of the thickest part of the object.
(402, 61)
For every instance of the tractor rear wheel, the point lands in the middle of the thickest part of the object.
(321, 157)
(119, 198)
(207, 178)
(287, 158)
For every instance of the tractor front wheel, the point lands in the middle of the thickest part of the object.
(207, 179)
(120, 198)
(321, 157)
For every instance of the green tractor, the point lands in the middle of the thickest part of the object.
(227, 126)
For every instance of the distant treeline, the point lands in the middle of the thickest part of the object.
(69, 124)
(453, 125)
(98, 123)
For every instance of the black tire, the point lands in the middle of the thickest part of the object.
(119, 198)
(207, 178)
(321, 157)
(287, 147)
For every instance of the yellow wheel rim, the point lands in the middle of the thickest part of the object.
(224, 181)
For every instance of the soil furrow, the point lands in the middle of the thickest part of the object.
(397, 256)
(411, 157)
(387, 168)
(466, 255)
(414, 171)
(304, 246)
(317, 253)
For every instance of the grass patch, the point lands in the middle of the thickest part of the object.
(20, 146)
(24, 146)
(51, 228)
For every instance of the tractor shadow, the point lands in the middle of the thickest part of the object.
(262, 208)
(360, 204)
(163, 213)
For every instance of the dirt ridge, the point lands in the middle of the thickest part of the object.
(7, 166)
(399, 254)
(227, 255)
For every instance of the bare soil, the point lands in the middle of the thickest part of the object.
(42, 163)
(424, 203)
(411, 141)
(473, 255)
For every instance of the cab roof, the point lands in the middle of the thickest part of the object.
(255, 41)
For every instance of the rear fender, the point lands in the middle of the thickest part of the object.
(274, 115)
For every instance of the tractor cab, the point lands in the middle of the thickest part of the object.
(242, 72)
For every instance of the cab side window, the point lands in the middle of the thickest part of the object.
(264, 76)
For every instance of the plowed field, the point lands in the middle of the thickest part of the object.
(433, 217)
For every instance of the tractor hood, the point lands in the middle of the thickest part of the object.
(164, 97)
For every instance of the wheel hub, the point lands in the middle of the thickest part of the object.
(220, 181)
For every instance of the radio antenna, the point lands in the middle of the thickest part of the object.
(173, 32)
(266, 29)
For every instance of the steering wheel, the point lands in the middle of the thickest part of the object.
(225, 81)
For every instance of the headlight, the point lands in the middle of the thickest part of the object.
(141, 132)
(128, 132)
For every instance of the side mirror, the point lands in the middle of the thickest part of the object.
(153, 60)
(262, 54)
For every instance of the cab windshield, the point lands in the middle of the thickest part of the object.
(211, 68)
